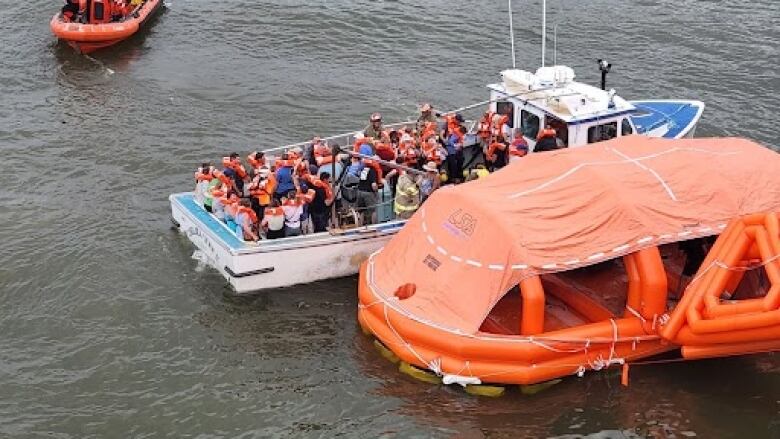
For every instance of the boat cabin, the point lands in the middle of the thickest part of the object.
(579, 113)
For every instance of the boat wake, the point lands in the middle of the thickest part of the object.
(203, 260)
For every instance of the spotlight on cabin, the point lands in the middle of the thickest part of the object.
(604, 67)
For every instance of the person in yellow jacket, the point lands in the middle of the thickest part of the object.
(407, 196)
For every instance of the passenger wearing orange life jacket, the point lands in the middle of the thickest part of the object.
(485, 128)
(500, 125)
(256, 160)
(497, 153)
(519, 147)
(429, 129)
(545, 141)
(246, 222)
(70, 11)
(323, 198)
(322, 153)
(261, 191)
(292, 204)
(273, 220)
(284, 176)
(235, 170)
(230, 203)
(433, 151)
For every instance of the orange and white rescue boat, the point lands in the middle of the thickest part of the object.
(571, 261)
(96, 23)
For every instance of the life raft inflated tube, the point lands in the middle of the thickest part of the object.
(87, 38)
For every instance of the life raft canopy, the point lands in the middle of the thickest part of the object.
(469, 244)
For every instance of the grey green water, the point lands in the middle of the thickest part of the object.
(109, 328)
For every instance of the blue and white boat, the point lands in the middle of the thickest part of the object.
(581, 115)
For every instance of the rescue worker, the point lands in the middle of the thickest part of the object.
(319, 208)
(246, 222)
(407, 195)
(374, 128)
(273, 220)
(261, 190)
(545, 141)
(426, 115)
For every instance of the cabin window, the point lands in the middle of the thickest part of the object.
(99, 11)
(626, 128)
(529, 124)
(561, 129)
(508, 108)
(601, 132)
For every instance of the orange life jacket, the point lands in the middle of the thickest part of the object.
(100, 12)
(516, 150)
(433, 154)
(410, 156)
(222, 177)
(322, 155)
(495, 146)
(300, 199)
(452, 123)
(273, 218)
(545, 133)
(249, 212)
(204, 176)
(231, 205)
(264, 193)
(254, 162)
(238, 167)
(428, 130)
(315, 181)
(498, 127)
(484, 128)
(379, 174)
(120, 9)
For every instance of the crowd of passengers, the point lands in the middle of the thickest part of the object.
(98, 11)
(275, 197)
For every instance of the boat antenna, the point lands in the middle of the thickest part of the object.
(544, 27)
(511, 34)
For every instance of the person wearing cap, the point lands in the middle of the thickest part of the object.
(430, 181)
(374, 128)
(426, 115)
(261, 190)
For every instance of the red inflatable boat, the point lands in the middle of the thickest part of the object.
(89, 25)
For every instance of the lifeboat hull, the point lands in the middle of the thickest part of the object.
(87, 38)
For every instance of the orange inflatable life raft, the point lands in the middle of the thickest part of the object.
(104, 27)
(581, 260)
